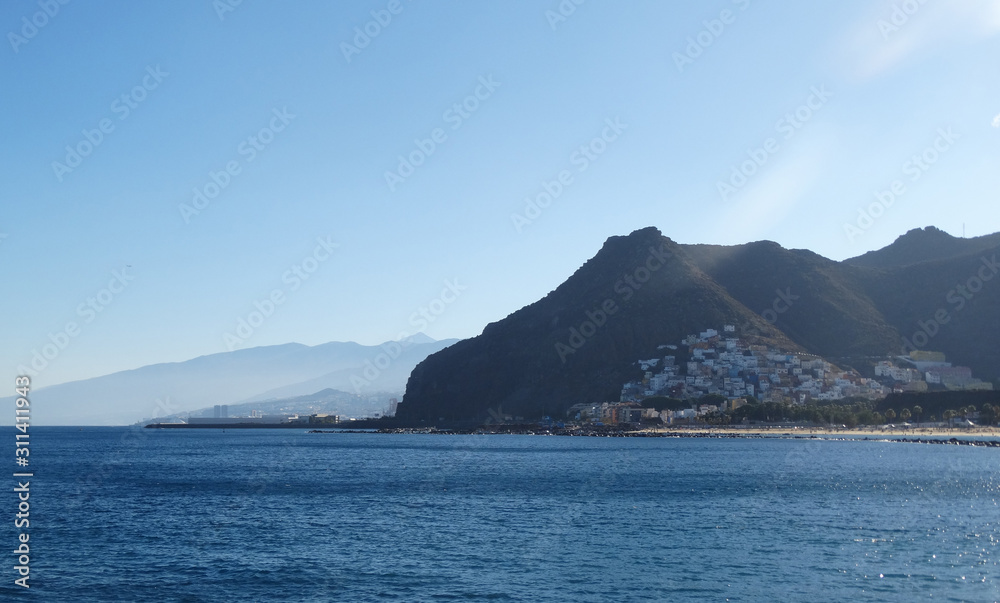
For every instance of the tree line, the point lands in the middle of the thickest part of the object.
(852, 413)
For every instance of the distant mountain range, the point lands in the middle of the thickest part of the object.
(578, 344)
(248, 375)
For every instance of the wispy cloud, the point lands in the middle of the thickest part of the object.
(886, 36)
(996, 121)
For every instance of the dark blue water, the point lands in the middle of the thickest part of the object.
(198, 515)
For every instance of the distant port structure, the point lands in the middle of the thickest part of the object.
(220, 419)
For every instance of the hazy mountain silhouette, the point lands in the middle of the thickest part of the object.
(225, 378)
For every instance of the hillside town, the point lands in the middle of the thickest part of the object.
(922, 370)
(728, 372)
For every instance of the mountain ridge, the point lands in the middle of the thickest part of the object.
(544, 357)
(923, 244)
(547, 346)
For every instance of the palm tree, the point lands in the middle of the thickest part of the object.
(948, 415)
(905, 415)
(890, 414)
(919, 412)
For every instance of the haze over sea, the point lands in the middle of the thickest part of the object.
(268, 515)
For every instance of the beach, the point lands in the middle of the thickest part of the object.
(860, 431)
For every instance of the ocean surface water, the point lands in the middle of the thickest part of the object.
(121, 514)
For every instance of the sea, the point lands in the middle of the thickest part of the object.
(126, 514)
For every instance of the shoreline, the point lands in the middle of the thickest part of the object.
(931, 432)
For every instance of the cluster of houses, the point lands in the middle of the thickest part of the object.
(612, 413)
(923, 370)
(730, 370)
(723, 364)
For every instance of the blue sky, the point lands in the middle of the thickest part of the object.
(291, 120)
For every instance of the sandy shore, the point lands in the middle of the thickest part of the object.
(925, 432)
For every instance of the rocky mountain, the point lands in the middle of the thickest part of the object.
(579, 343)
